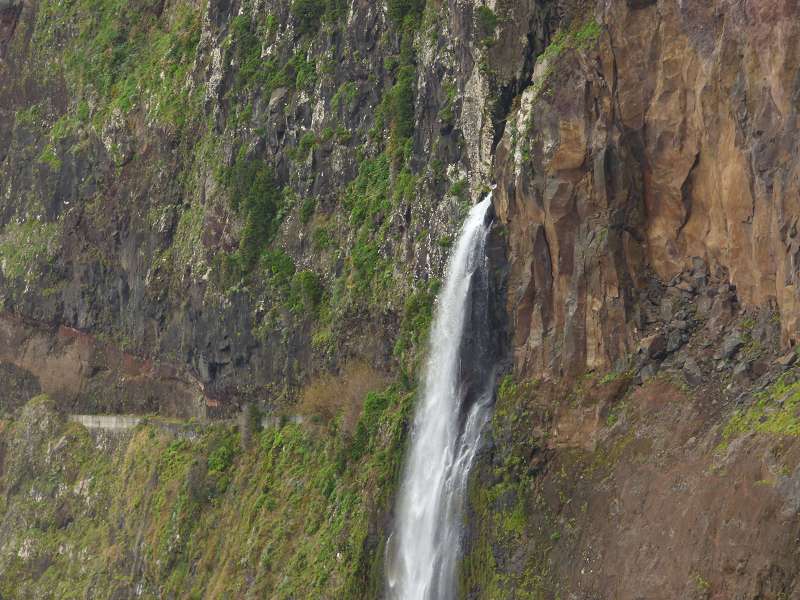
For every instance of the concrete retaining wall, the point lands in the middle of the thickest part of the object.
(107, 422)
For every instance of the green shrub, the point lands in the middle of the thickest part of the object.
(587, 34)
(368, 195)
(447, 115)
(402, 10)
(459, 189)
(400, 106)
(279, 268)
(416, 321)
(307, 290)
(487, 23)
(307, 209)
(304, 69)
(254, 71)
(374, 405)
(307, 13)
(775, 412)
(26, 248)
(255, 196)
(222, 457)
(322, 239)
(125, 57)
(345, 96)
(366, 262)
(247, 48)
(307, 143)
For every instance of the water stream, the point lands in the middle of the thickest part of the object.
(424, 549)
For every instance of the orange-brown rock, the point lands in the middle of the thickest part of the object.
(673, 136)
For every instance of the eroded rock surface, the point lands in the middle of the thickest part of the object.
(665, 137)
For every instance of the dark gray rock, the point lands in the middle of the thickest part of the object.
(680, 325)
(741, 370)
(276, 101)
(654, 346)
(666, 308)
(649, 371)
(730, 345)
(692, 372)
(676, 339)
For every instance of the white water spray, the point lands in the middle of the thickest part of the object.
(423, 551)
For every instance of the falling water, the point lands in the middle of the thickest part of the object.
(424, 548)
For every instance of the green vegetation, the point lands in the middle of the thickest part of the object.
(446, 114)
(186, 254)
(254, 196)
(135, 65)
(307, 209)
(406, 11)
(399, 109)
(613, 376)
(306, 291)
(415, 325)
(124, 57)
(775, 412)
(307, 13)
(255, 74)
(701, 584)
(367, 197)
(204, 518)
(305, 69)
(50, 158)
(28, 117)
(306, 144)
(580, 37)
(509, 512)
(345, 97)
(245, 51)
(28, 248)
(524, 493)
(486, 21)
(459, 189)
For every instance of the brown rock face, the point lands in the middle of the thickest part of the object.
(83, 374)
(673, 136)
(659, 514)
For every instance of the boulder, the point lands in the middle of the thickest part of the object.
(730, 346)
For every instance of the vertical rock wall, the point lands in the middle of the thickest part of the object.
(666, 135)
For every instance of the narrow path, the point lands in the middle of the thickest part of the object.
(117, 423)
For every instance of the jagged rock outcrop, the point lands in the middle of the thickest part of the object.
(667, 135)
(645, 444)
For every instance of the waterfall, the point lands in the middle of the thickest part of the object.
(424, 548)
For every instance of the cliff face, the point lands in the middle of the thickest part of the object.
(242, 193)
(213, 209)
(644, 446)
(666, 138)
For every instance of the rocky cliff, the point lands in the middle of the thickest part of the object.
(221, 209)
